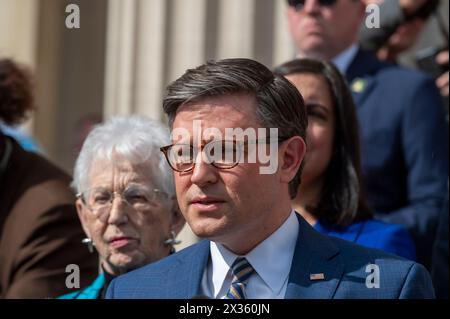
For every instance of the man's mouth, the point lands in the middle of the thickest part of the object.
(207, 203)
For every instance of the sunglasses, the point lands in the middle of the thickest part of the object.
(298, 4)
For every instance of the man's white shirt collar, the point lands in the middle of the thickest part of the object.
(271, 260)
(345, 58)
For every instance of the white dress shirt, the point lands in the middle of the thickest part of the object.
(343, 60)
(271, 259)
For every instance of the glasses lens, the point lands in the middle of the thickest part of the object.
(181, 156)
(98, 200)
(327, 3)
(298, 4)
(141, 197)
(223, 154)
(137, 196)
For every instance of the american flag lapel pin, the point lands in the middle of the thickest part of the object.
(318, 276)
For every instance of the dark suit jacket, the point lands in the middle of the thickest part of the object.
(440, 264)
(40, 233)
(343, 264)
(404, 146)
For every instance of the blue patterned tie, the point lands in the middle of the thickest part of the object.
(241, 270)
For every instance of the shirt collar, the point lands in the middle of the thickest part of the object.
(345, 58)
(278, 248)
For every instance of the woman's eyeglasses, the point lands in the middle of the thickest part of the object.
(99, 199)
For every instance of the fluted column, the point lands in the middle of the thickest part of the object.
(18, 34)
(150, 57)
(283, 49)
(186, 37)
(18, 30)
(120, 56)
(235, 32)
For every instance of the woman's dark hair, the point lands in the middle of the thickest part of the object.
(16, 92)
(342, 200)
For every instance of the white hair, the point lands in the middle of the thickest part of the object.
(133, 138)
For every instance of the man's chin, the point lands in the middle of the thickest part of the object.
(313, 46)
(207, 229)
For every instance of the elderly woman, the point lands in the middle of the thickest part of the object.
(126, 200)
(330, 196)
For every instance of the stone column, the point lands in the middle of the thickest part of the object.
(120, 57)
(18, 34)
(283, 49)
(235, 32)
(150, 56)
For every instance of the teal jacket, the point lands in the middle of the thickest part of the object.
(90, 292)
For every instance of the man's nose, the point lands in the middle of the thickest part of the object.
(311, 6)
(203, 173)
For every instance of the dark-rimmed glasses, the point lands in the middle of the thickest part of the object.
(222, 154)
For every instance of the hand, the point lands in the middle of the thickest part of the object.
(442, 81)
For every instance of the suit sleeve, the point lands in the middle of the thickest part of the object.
(110, 290)
(49, 244)
(417, 284)
(424, 135)
(440, 261)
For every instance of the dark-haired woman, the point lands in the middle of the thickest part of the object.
(330, 196)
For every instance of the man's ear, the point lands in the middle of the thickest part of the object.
(81, 211)
(178, 220)
(292, 153)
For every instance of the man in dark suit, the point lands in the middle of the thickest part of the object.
(40, 234)
(234, 183)
(404, 138)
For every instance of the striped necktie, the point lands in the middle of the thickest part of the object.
(241, 270)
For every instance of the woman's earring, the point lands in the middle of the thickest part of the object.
(89, 243)
(172, 241)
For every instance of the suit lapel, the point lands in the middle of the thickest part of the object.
(315, 256)
(186, 278)
(360, 75)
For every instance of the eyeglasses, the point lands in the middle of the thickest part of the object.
(223, 154)
(99, 200)
(298, 4)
